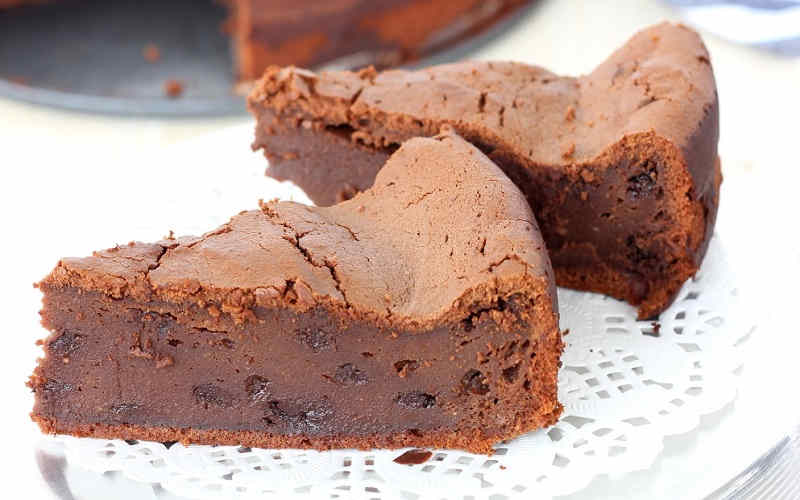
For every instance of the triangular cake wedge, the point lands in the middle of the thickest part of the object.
(422, 312)
(620, 165)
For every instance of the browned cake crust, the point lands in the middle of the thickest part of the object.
(422, 312)
(620, 166)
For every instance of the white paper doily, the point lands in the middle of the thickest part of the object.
(625, 385)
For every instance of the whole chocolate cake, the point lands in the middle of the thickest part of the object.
(620, 166)
(363, 32)
(350, 33)
(422, 312)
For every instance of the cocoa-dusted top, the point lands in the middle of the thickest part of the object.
(442, 231)
(660, 82)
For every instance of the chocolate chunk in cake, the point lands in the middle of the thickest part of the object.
(420, 313)
(620, 166)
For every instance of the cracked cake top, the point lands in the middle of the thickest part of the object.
(442, 232)
(660, 82)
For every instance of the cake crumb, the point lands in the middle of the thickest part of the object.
(655, 332)
(173, 88)
(19, 80)
(151, 53)
(413, 457)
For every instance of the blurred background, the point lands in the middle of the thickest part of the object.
(122, 120)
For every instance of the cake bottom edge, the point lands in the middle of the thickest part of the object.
(470, 440)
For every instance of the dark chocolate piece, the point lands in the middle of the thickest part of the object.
(390, 320)
(620, 166)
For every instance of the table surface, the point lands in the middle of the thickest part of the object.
(73, 182)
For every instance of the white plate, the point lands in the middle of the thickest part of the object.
(199, 184)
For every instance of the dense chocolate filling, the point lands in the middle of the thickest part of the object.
(327, 166)
(119, 362)
(616, 217)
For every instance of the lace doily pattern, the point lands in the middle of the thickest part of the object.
(625, 385)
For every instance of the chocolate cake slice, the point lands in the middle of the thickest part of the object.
(422, 312)
(620, 166)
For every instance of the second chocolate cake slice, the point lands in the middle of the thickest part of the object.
(620, 165)
(422, 312)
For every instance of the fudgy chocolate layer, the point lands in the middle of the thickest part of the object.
(326, 164)
(306, 377)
